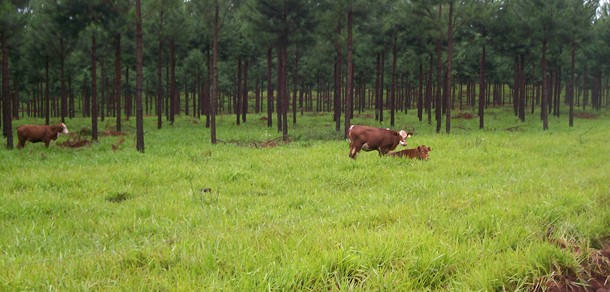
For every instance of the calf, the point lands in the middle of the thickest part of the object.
(420, 152)
(371, 138)
(36, 133)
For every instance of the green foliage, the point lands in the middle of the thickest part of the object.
(486, 212)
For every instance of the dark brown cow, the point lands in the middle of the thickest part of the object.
(36, 133)
(371, 138)
(420, 152)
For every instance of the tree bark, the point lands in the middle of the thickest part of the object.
(117, 80)
(93, 88)
(6, 102)
(214, 100)
(270, 87)
(139, 78)
(349, 82)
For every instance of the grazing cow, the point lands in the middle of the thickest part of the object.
(36, 133)
(420, 152)
(371, 138)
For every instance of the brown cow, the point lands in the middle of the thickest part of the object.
(371, 138)
(36, 133)
(420, 152)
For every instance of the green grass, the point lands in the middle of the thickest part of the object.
(484, 213)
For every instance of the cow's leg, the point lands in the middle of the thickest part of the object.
(353, 150)
(21, 142)
(46, 143)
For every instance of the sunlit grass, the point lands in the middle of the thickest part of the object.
(482, 214)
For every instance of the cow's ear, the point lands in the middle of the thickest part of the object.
(429, 149)
(404, 134)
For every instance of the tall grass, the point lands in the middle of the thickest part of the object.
(484, 213)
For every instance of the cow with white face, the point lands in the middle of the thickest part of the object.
(36, 133)
(369, 138)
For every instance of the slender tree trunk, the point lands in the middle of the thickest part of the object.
(338, 78)
(269, 88)
(278, 106)
(393, 86)
(64, 102)
(522, 97)
(544, 102)
(139, 78)
(295, 82)
(237, 95)
(244, 110)
(93, 88)
(172, 83)
(482, 90)
(47, 99)
(117, 80)
(449, 68)
(128, 102)
(349, 82)
(6, 102)
(429, 90)
(570, 92)
(420, 93)
(214, 100)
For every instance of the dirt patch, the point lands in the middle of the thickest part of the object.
(587, 116)
(112, 133)
(75, 141)
(515, 129)
(592, 275)
(465, 116)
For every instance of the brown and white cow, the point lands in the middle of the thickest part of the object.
(36, 133)
(371, 138)
(420, 152)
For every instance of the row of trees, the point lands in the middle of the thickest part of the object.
(202, 57)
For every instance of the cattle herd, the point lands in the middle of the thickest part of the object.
(369, 138)
(365, 138)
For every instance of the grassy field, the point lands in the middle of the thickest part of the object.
(492, 209)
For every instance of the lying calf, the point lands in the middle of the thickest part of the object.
(420, 152)
(36, 133)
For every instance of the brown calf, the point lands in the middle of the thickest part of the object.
(420, 152)
(371, 138)
(36, 133)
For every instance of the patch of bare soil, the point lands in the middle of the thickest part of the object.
(587, 116)
(75, 141)
(592, 275)
(112, 133)
(465, 116)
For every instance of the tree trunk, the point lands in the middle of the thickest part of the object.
(117, 80)
(269, 88)
(93, 88)
(139, 78)
(420, 93)
(448, 86)
(544, 112)
(237, 95)
(393, 85)
(349, 82)
(173, 99)
(64, 103)
(6, 102)
(482, 90)
(214, 100)
(338, 78)
(570, 91)
(244, 104)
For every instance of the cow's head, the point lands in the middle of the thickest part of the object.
(403, 137)
(64, 129)
(423, 151)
